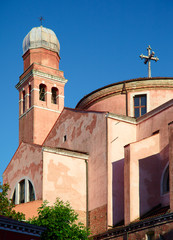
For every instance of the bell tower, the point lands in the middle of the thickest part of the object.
(41, 86)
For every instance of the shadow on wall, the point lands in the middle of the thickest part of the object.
(149, 182)
(150, 176)
(118, 191)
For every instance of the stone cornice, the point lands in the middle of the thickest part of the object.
(121, 118)
(142, 118)
(37, 73)
(66, 152)
(128, 85)
(43, 108)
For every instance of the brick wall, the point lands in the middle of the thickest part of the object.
(98, 220)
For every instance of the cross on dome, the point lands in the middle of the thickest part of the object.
(148, 59)
(41, 20)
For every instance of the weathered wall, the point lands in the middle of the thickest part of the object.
(26, 162)
(85, 132)
(98, 220)
(64, 177)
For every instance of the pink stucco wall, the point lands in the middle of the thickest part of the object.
(26, 162)
(159, 96)
(115, 104)
(85, 132)
(142, 188)
(64, 177)
(39, 118)
(112, 98)
(116, 141)
(158, 122)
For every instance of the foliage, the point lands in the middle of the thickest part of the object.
(7, 206)
(60, 222)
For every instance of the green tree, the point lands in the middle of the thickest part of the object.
(7, 206)
(60, 222)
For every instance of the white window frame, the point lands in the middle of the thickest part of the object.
(17, 188)
(134, 94)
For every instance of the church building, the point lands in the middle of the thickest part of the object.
(111, 156)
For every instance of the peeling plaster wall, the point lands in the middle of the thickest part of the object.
(64, 177)
(27, 162)
(85, 132)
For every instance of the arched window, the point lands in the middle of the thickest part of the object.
(54, 95)
(165, 183)
(29, 96)
(23, 192)
(23, 96)
(31, 192)
(42, 92)
(14, 196)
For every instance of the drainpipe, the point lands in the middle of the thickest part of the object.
(126, 104)
(87, 214)
(124, 91)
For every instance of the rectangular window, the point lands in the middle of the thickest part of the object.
(140, 105)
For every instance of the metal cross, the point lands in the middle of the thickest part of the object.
(148, 59)
(41, 19)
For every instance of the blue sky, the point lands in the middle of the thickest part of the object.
(100, 40)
